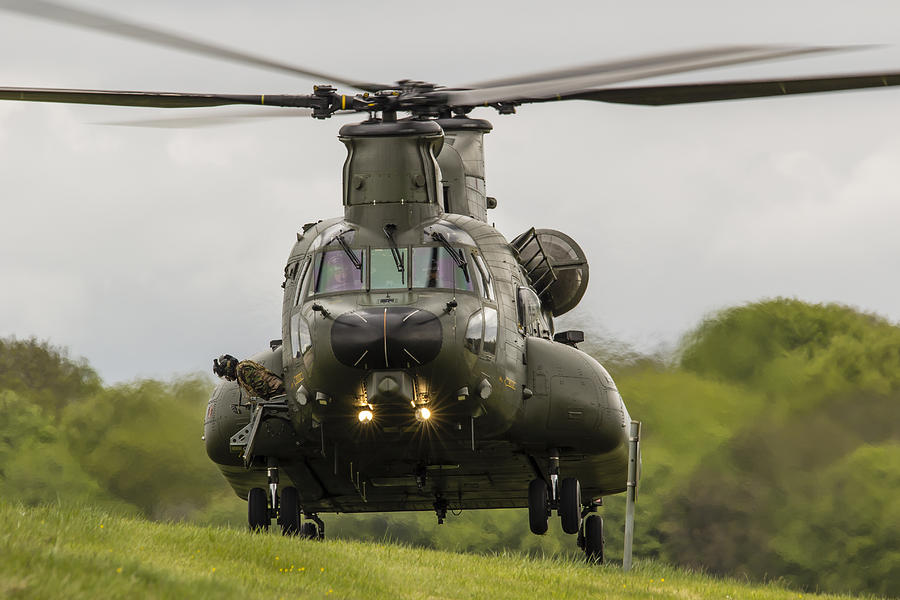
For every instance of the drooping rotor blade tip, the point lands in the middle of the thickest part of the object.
(693, 93)
(556, 84)
(68, 15)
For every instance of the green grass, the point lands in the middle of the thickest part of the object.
(64, 552)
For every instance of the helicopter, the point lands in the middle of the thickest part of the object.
(421, 365)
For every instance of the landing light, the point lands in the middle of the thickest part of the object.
(423, 414)
(365, 416)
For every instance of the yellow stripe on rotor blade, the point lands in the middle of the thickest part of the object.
(262, 99)
(343, 102)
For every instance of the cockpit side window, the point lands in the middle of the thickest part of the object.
(487, 284)
(334, 271)
(302, 283)
(435, 267)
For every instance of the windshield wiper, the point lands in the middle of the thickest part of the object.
(389, 230)
(350, 253)
(457, 258)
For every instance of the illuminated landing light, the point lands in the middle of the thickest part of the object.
(422, 414)
(365, 416)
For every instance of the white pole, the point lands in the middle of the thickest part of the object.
(634, 458)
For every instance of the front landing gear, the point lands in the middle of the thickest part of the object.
(538, 506)
(570, 505)
(289, 511)
(258, 510)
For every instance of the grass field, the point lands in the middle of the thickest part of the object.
(61, 552)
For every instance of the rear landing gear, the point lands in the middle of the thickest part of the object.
(309, 530)
(545, 495)
(592, 536)
(313, 528)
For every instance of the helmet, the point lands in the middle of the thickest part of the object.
(226, 366)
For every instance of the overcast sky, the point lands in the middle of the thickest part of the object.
(149, 251)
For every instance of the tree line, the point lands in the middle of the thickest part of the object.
(771, 449)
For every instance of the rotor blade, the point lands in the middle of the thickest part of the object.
(568, 81)
(67, 15)
(156, 99)
(216, 119)
(211, 119)
(735, 90)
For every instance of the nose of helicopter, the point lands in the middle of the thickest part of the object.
(386, 338)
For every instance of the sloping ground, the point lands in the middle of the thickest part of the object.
(59, 552)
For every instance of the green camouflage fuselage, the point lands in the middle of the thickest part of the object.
(402, 305)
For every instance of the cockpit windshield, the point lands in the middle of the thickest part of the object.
(334, 271)
(423, 267)
(435, 267)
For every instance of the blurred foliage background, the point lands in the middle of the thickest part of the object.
(771, 449)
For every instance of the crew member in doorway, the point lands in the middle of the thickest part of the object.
(257, 380)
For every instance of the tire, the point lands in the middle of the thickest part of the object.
(570, 505)
(537, 506)
(258, 509)
(593, 539)
(309, 530)
(289, 511)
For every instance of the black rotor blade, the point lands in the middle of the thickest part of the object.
(119, 98)
(194, 121)
(552, 85)
(155, 99)
(211, 119)
(734, 90)
(67, 15)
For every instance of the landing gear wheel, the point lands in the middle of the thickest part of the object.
(593, 539)
(309, 530)
(258, 509)
(570, 504)
(289, 511)
(537, 506)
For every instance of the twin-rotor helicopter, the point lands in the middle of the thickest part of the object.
(419, 358)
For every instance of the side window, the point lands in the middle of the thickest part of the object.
(487, 282)
(490, 330)
(300, 338)
(473, 332)
(302, 282)
(529, 306)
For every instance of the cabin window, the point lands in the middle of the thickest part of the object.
(529, 306)
(490, 330)
(473, 332)
(335, 271)
(388, 269)
(481, 332)
(435, 267)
